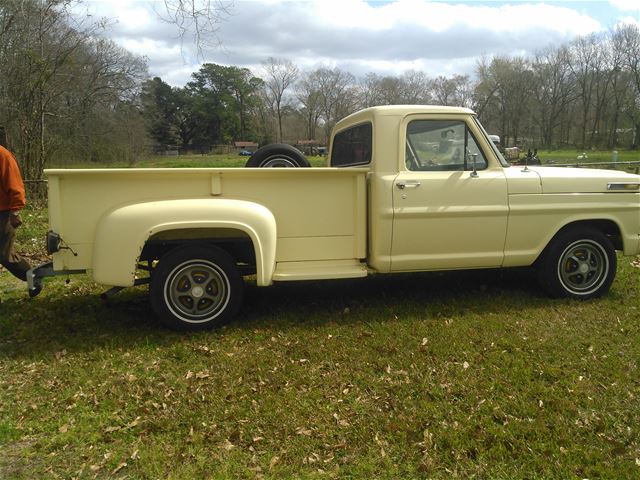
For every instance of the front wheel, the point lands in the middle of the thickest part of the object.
(579, 263)
(196, 287)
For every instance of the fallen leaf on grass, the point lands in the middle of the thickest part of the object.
(274, 461)
(339, 421)
(63, 429)
(381, 445)
(119, 467)
(304, 431)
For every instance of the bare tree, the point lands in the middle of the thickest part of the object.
(553, 90)
(415, 88)
(199, 19)
(309, 97)
(627, 40)
(53, 74)
(456, 91)
(338, 95)
(503, 93)
(586, 63)
(280, 75)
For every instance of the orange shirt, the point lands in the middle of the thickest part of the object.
(12, 195)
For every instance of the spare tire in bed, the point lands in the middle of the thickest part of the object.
(277, 155)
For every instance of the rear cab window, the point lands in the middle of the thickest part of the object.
(353, 146)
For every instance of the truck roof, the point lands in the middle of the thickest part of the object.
(400, 110)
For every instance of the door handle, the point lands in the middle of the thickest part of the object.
(408, 184)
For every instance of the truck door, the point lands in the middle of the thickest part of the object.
(449, 201)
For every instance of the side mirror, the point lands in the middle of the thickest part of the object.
(474, 173)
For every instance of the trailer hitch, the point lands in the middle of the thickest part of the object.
(36, 274)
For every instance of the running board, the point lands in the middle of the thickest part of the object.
(319, 270)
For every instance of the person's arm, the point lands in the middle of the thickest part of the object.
(15, 219)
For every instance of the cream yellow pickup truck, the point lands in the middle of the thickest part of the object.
(407, 188)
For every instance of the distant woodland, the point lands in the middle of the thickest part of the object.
(68, 92)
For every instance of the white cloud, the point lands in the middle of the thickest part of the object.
(626, 5)
(390, 37)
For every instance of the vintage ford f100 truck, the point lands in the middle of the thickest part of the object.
(407, 188)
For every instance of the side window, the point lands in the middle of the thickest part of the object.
(352, 147)
(441, 145)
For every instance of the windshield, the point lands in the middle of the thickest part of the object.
(501, 159)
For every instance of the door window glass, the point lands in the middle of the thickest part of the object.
(442, 145)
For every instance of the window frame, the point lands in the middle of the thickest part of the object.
(348, 129)
(469, 130)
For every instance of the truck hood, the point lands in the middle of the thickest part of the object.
(566, 180)
(581, 180)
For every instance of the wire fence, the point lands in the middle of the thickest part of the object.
(633, 167)
(36, 191)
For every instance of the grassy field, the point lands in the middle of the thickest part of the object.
(570, 156)
(184, 161)
(234, 161)
(457, 375)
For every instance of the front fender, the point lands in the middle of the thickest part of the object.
(122, 233)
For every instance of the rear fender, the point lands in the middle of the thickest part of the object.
(122, 233)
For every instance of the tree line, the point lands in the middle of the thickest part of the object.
(584, 94)
(69, 95)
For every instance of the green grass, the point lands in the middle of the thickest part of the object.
(456, 375)
(571, 156)
(183, 161)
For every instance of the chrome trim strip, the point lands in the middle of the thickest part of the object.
(623, 186)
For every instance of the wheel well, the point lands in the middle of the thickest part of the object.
(607, 227)
(235, 242)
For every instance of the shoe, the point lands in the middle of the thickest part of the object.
(33, 292)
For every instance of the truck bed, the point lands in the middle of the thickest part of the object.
(320, 213)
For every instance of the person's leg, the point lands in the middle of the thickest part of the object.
(9, 258)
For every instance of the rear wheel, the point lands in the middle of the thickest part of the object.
(579, 263)
(196, 287)
(277, 155)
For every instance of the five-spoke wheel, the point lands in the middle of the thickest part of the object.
(580, 262)
(195, 287)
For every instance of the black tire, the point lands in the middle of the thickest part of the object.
(196, 287)
(578, 263)
(277, 155)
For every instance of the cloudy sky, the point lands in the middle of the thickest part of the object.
(386, 37)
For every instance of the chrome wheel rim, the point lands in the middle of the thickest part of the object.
(197, 291)
(278, 162)
(583, 267)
